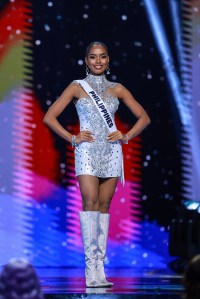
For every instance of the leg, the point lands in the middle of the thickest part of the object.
(106, 191)
(89, 187)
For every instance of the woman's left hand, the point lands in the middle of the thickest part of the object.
(117, 135)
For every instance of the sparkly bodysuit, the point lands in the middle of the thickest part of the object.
(99, 158)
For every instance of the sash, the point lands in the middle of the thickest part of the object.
(104, 113)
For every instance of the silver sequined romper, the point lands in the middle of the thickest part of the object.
(99, 158)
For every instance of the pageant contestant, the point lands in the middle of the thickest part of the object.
(98, 150)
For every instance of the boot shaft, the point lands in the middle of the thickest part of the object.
(89, 221)
(104, 220)
(89, 227)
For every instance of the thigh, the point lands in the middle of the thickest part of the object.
(89, 187)
(107, 189)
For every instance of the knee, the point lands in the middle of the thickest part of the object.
(90, 203)
(104, 207)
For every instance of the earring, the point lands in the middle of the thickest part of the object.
(108, 70)
(87, 70)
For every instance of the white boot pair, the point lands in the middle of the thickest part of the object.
(94, 228)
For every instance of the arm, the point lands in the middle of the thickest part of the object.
(142, 118)
(50, 118)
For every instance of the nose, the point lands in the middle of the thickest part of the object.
(98, 59)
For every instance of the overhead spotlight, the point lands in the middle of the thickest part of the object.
(191, 205)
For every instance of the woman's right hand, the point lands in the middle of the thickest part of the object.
(84, 136)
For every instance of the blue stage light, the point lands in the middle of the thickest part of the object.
(183, 98)
(176, 21)
(165, 52)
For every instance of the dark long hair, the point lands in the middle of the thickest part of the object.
(18, 280)
(191, 279)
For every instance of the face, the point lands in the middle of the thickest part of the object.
(97, 60)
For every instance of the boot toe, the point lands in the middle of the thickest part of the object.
(92, 284)
(105, 283)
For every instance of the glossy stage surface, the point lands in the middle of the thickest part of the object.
(154, 283)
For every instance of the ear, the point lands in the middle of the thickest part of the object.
(86, 60)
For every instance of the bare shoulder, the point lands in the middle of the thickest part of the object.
(121, 90)
(74, 86)
(119, 87)
(73, 89)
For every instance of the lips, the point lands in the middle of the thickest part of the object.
(98, 67)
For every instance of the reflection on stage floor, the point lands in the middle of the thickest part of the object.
(69, 283)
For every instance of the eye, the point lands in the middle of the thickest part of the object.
(104, 56)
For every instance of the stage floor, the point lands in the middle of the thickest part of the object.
(154, 283)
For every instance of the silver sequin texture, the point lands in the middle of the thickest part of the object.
(99, 158)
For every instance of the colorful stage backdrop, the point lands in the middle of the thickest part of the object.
(42, 49)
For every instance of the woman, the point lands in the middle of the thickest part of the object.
(98, 153)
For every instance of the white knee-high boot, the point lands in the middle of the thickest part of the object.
(89, 221)
(101, 249)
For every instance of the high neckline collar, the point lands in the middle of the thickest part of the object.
(96, 78)
(98, 83)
